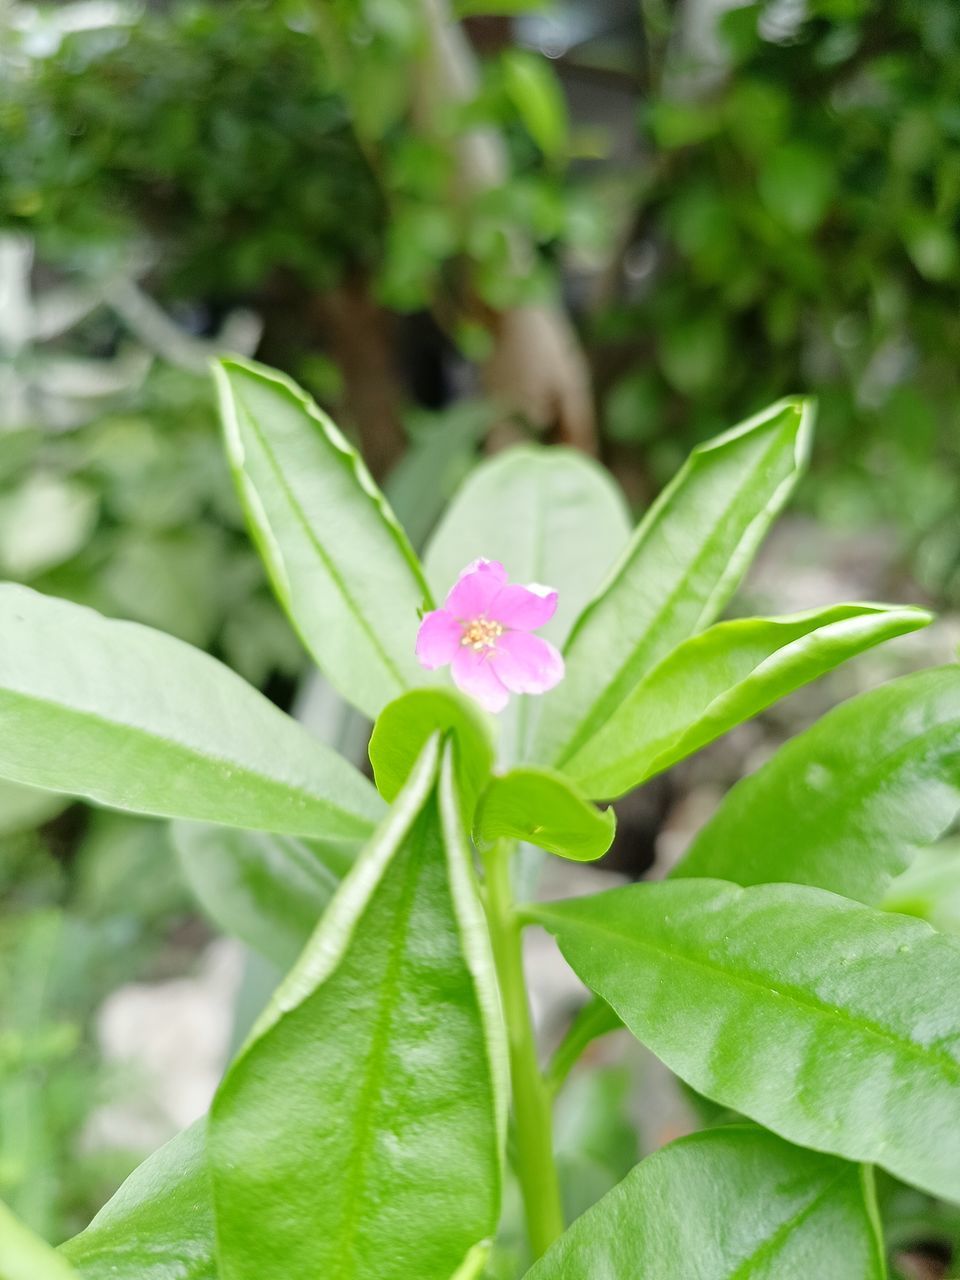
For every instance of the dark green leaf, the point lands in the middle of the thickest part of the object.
(267, 890)
(718, 679)
(845, 805)
(159, 1225)
(680, 568)
(339, 561)
(137, 720)
(834, 1024)
(732, 1203)
(358, 1133)
(546, 810)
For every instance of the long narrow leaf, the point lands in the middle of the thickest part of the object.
(137, 720)
(718, 679)
(340, 564)
(680, 568)
(358, 1133)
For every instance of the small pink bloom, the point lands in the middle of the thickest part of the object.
(483, 631)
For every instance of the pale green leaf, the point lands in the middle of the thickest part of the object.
(678, 571)
(720, 678)
(546, 810)
(734, 1203)
(267, 890)
(537, 97)
(340, 563)
(833, 1024)
(550, 516)
(930, 888)
(358, 1133)
(848, 803)
(137, 720)
(24, 1256)
(159, 1225)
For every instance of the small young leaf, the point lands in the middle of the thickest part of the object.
(831, 1023)
(24, 1256)
(267, 890)
(359, 1131)
(720, 678)
(404, 727)
(537, 96)
(137, 720)
(680, 568)
(846, 804)
(732, 1203)
(159, 1225)
(550, 516)
(340, 563)
(546, 810)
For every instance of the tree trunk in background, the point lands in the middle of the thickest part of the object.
(359, 335)
(537, 369)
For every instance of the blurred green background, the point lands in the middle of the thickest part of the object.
(617, 224)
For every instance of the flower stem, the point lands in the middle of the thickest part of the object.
(536, 1168)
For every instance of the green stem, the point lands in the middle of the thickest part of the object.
(536, 1168)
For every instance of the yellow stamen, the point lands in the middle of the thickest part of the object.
(481, 634)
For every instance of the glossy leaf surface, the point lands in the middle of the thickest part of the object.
(137, 720)
(732, 1203)
(720, 678)
(269, 891)
(339, 561)
(846, 804)
(546, 810)
(159, 1225)
(550, 516)
(678, 571)
(831, 1023)
(405, 726)
(358, 1133)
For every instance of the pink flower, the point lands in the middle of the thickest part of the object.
(483, 631)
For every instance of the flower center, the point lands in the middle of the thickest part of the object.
(481, 634)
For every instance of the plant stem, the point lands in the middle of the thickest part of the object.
(536, 1168)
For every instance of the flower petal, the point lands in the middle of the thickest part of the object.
(526, 663)
(438, 639)
(524, 608)
(473, 673)
(475, 589)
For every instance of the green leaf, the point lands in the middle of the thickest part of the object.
(358, 1133)
(536, 94)
(846, 804)
(137, 720)
(930, 888)
(733, 1203)
(159, 1225)
(546, 810)
(267, 890)
(24, 1256)
(340, 563)
(404, 727)
(831, 1023)
(550, 516)
(720, 678)
(679, 569)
